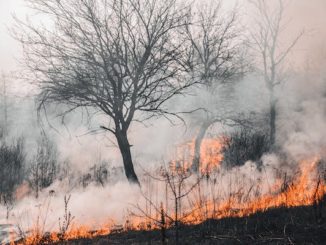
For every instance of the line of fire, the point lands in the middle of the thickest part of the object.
(162, 122)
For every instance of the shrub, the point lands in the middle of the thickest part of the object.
(12, 161)
(243, 145)
(43, 169)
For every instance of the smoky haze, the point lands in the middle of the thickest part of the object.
(301, 121)
(309, 55)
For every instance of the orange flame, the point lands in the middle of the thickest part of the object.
(210, 155)
(305, 188)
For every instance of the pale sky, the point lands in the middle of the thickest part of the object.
(304, 14)
(8, 46)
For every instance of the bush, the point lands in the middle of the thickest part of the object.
(12, 161)
(43, 169)
(99, 174)
(244, 145)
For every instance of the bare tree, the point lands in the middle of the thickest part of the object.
(43, 169)
(66, 222)
(121, 57)
(176, 180)
(266, 39)
(216, 48)
(4, 129)
(179, 182)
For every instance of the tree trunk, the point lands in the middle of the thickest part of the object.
(198, 141)
(272, 120)
(176, 221)
(124, 147)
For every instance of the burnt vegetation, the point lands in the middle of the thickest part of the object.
(125, 62)
(276, 226)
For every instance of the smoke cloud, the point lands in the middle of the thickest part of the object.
(301, 123)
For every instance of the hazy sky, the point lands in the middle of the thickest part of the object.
(8, 46)
(304, 14)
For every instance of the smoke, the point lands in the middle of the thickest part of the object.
(155, 137)
(303, 115)
(92, 206)
(301, 134)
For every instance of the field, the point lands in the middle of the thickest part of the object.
(299, 225)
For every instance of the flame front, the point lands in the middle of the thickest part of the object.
(306, 187)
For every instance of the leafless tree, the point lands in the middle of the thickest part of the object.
(180, 182)
(43, 168)
(216, 48)
(101, 173)
(4, 95)
(176, 180)
(121, 57)
(266, 41)
(67, 219)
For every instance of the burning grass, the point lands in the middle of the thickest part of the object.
(296, 225)
(192, 199)
(303, 190)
